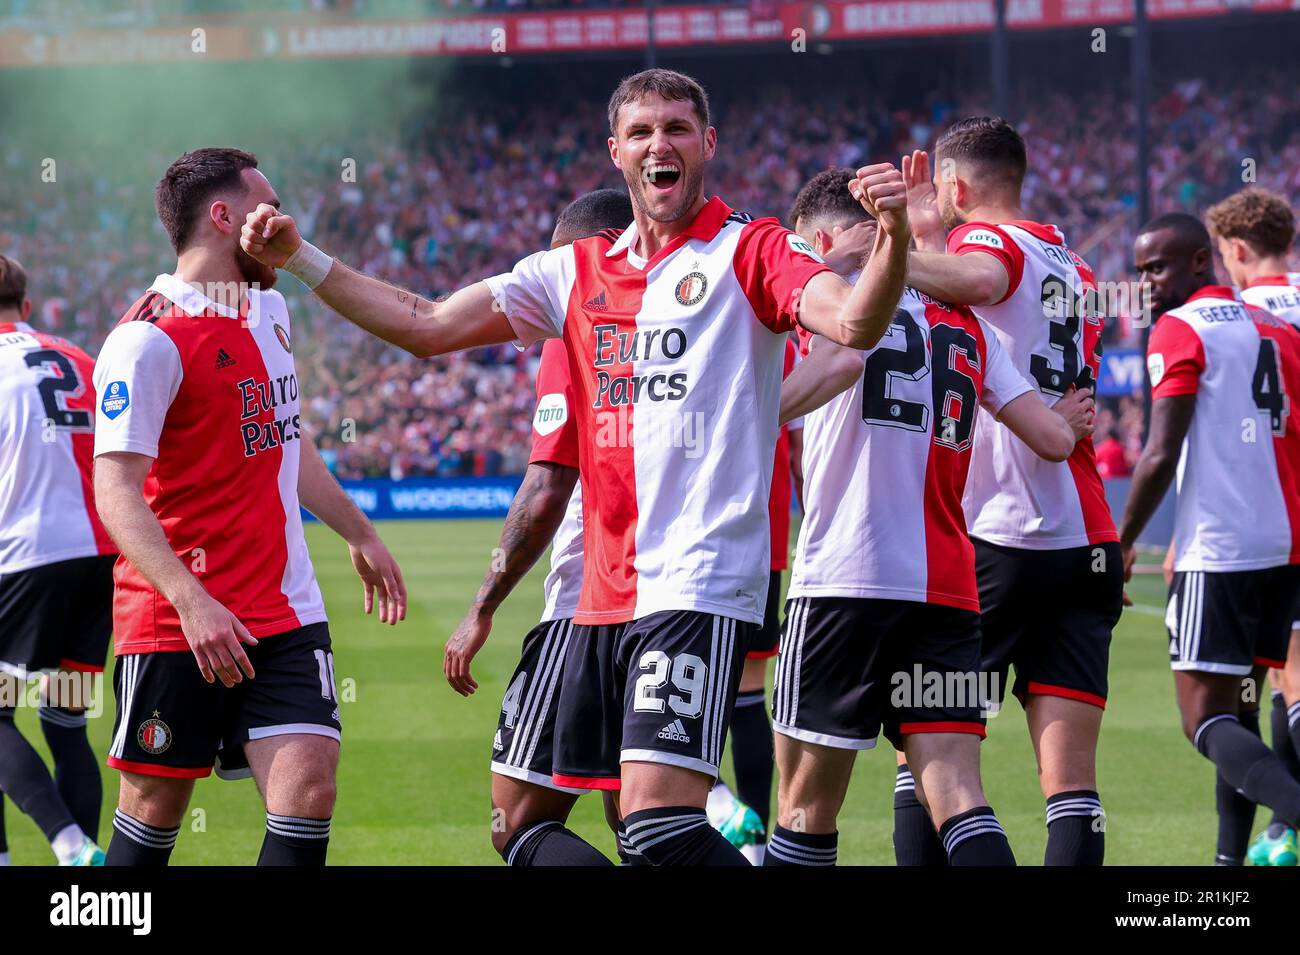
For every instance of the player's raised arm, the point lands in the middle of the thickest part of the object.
(858, 315)
(468, 318)
(321, 494)
(534, 515)
(828, 370)
(972, 279)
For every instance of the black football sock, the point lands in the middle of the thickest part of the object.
(915, 841)
(679, 835)
(751, 752)
(1076, 829)
(1285, 750)
(137, 843)
(294, 840)
(76, 771)
(549, 843)
(26, 781)
(1248, 765)
(787, 847)
(628, 853)
(1236, 812)
(975, 837)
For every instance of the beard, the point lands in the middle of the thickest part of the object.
(692, 182)
(253, 272)
(948, 212)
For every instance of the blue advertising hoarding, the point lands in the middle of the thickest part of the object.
(381, 499)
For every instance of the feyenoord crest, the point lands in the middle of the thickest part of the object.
(154, 736)
(281, 334)
(692, 288)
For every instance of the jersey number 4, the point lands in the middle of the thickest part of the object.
(55, 389)
(1268, 389)
(953, 391)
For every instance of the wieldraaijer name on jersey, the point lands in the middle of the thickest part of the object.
(260, 397)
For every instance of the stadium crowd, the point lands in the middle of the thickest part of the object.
(475, 189)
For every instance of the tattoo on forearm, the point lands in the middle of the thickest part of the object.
(523, 539)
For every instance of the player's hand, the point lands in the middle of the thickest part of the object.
(922, 200)
(461, 648)
(882, 192)
(215, 636)
(380, 576)
(1130, 556)
(270, 236)
(851, 246)
(1079, 411)
(1167, 566)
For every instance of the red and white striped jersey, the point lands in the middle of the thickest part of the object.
(212, 397)
(778, 502)
(676, 369)
(1279, 294)
(885, 462)
(1015, 498)
(1239, 471)
(555, 440)
(47, 423)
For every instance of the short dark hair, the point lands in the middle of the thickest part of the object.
(825, 200)
(190, 183)
(990, 143)
(13, 283)
(668, 84)
(1259, 217)
(592, 213)
(1188, 230)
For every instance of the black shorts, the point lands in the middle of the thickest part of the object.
(57, 616)
(524, 743)
(656, 690)
(1230, 622)
(852, 666)
(767, 638)
(1050, 613)
(172, 723)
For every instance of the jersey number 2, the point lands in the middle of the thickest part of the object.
(953, 391)
(53, 388)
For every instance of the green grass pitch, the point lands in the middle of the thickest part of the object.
(413, 783)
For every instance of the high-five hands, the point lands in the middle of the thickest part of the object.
(882, 192)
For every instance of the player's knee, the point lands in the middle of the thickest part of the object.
(155, 800)
(316, 797)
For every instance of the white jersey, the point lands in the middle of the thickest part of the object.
(1015, 498)
(563, 584)
(555, 441)
(47, 440)
(1239, 471)
(885, 462)
(1279, 294)
(677, 365)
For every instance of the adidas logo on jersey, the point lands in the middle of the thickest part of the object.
(496, 742)
(675, 732)
(598, 303)
(223, 359)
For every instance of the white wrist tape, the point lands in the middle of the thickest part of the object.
(309, 264)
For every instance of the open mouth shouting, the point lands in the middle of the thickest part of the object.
(662, 175)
